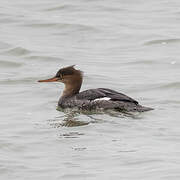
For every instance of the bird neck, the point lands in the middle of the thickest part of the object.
(71, 89)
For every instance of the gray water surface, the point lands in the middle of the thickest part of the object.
(132, 46)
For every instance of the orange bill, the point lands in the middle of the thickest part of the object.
(49, 80)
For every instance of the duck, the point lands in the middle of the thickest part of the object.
(91, 99)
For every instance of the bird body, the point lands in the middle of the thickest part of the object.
(92, 99)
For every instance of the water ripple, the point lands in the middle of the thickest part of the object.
(8, 64)
(65, 26)
(162, 86)
(162, 41)
(18, 81)
(71, 135)
(62, 7)
(141, 62)
(44, 58)
(170, 85)
(4, 45)
(17, 51)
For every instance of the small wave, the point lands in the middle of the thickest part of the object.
(44, 58)
(158, 86)
(162, 41)
(4, 45)
(18, 81)
(170, 85)
(168, 101)
(41, 25)
(66, 26)
(141, 62)
(143, 162)
(57, 8)
(173, 85)
(18, 51)
(111, 9)
(9, 64)
(7, 21)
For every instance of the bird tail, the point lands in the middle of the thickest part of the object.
(143, 108)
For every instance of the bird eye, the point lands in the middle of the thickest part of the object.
(61, 76)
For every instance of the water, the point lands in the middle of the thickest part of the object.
(129, 46)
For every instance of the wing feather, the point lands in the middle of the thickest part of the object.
(93, 94)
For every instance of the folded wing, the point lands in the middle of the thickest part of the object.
(93, 94)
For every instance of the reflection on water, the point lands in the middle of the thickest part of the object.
(73, 122)
(68, 120)
(71, 117)
(71, 135)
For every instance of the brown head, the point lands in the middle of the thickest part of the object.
(71, 77)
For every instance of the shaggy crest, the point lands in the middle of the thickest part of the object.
(70, 70)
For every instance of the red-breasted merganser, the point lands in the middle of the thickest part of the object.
(92, 99)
